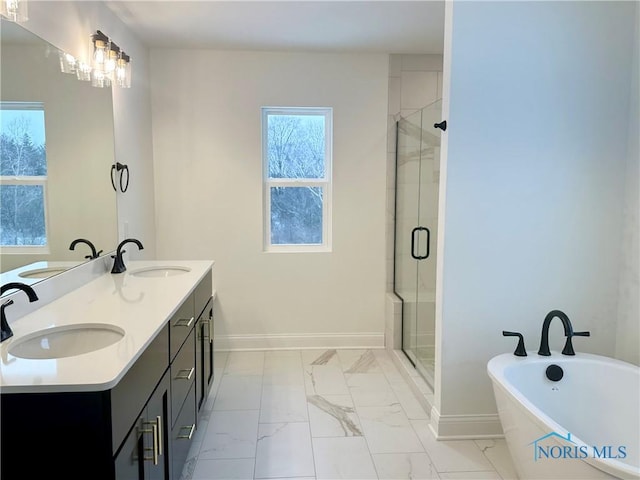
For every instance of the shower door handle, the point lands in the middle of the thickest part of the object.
(416, 233)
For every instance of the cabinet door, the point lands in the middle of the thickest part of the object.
(200, 378)
(128, 462)
(204, 355)
(156, 433)
(208, 347)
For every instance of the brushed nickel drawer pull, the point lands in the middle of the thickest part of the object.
(183, 322)
(159, 423)
(191, 429)
(182, 376)
(205, 330)
(154, 448)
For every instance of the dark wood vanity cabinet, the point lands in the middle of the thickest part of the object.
(145, 452)
(204, 354)
(141, 429)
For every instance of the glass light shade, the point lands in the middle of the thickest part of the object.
(14, 10)
(99, 55)
(110, 63)
(99, 79)
(123, 73)
(68, 63)
(83, 72)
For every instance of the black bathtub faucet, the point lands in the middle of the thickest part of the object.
(568, 332)
(520, 350)
(118, 263)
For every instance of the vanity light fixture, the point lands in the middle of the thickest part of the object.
(14, 10)
(109, 63)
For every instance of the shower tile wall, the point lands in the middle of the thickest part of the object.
(414, 82)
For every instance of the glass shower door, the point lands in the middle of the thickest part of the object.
(417, 189)
(406, 219)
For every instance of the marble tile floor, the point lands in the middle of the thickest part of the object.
(326, 414)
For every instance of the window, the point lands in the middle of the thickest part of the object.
(23, 178)
(296, 153)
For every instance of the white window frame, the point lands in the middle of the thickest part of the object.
(325, 183)
(28, 180)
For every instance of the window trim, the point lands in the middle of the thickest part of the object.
(28, 180)
(325, 182)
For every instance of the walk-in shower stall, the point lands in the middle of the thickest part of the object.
(416, 231)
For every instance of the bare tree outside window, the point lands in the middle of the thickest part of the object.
(296, 171)
(23, 170)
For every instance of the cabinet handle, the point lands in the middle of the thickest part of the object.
(154, 449)
(182, 376)
(206, 327)
(211, 326)
(183, 322)
(188, 436)
(159, 423)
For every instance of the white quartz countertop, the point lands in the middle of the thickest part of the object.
(140, 306)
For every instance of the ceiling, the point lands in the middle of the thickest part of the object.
(415, 27)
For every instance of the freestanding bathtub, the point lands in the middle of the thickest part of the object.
(585, 425)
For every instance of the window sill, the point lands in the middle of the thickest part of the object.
(297, 249)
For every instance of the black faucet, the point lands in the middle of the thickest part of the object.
(94, 253)
(6, 331)
(568, 332)
(118, 264)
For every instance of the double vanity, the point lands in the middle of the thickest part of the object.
(107, 381)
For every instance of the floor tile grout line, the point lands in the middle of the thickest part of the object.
(209, 413)
(362, 427)
(306, 397)
(255, 454)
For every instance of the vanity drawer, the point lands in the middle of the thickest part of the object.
(182, 434)
(183, 375)
(180, 325)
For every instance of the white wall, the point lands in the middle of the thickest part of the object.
(539, 97)
(628, 337)
(208, 180)
(68, 25)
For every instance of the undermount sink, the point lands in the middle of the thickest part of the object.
(66, 341)
(164, 271)
(42, 272)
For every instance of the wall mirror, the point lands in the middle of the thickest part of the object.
(57, 150)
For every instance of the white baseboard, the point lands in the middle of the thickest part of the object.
(463, 427)
(298, 341)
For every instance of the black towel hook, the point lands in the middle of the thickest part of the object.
(442, 125)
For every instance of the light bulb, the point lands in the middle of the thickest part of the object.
(110, 63)
(99, 55)
(123, 71)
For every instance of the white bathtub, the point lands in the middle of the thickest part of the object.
(589, 417)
